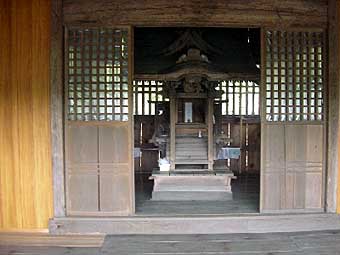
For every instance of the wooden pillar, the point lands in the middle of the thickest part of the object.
(57, 106)
(173, 120)
(337, 75)
(332, 202)
(210, 133)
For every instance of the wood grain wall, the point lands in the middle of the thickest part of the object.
(25, 153)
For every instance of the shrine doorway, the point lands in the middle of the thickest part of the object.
(214, 127)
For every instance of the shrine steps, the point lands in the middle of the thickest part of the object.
(191, 161)
(191, 150)
(192, 186)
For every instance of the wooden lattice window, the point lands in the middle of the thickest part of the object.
(146, 95)
(239, 97)
(97, 74)
(294, 76)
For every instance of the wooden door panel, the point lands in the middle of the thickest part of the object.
(99, 120)
(115, 174)
(314, 190)
(274, 144)
(82, 169)
(293, 117)
(113, 144)
(292, 176)
(304, 150)
(82, 191)
(99, 173)
(272, 191)
(82, 144)
(114, 191)
(274, 165)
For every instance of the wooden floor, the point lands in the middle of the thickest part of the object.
(300, 243)
(245, 200)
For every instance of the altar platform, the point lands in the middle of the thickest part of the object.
(192, 185)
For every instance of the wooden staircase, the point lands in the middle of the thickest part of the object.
(191, 152)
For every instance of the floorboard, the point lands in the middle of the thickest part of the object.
(300, 243)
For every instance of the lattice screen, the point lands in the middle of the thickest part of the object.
(97, 74)
(239, 97)
(294, 76)
(146, 95)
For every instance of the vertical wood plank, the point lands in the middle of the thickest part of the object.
(25, 165)
(8, 148)
(41, 115)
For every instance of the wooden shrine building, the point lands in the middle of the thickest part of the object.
(139, 117)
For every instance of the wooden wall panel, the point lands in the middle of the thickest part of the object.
(98, 175)
(292, 173)
(273, 168)
(25, 165)
(196, 12)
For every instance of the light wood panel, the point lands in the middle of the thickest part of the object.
(97, 169)
(196, 12)
(292, 173)
(25, 165)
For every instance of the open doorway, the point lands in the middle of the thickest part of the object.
(197, 120)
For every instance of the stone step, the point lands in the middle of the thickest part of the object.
(191, 162)
(192, 148)
(191, 196)
(192, 158)
(188, 140)
(192, 170)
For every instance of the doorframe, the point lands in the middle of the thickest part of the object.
(57, 110)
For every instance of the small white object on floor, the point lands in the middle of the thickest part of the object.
(164, 164)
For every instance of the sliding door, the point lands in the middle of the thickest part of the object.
(293, 121)
(98, 124)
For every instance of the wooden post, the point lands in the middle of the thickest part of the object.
(210, 133)
(173, 118)
(333, 109)
(57, 102)
(337, 76)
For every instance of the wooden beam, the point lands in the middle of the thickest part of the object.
(333, 108)
(57, 102)
(196, 13)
